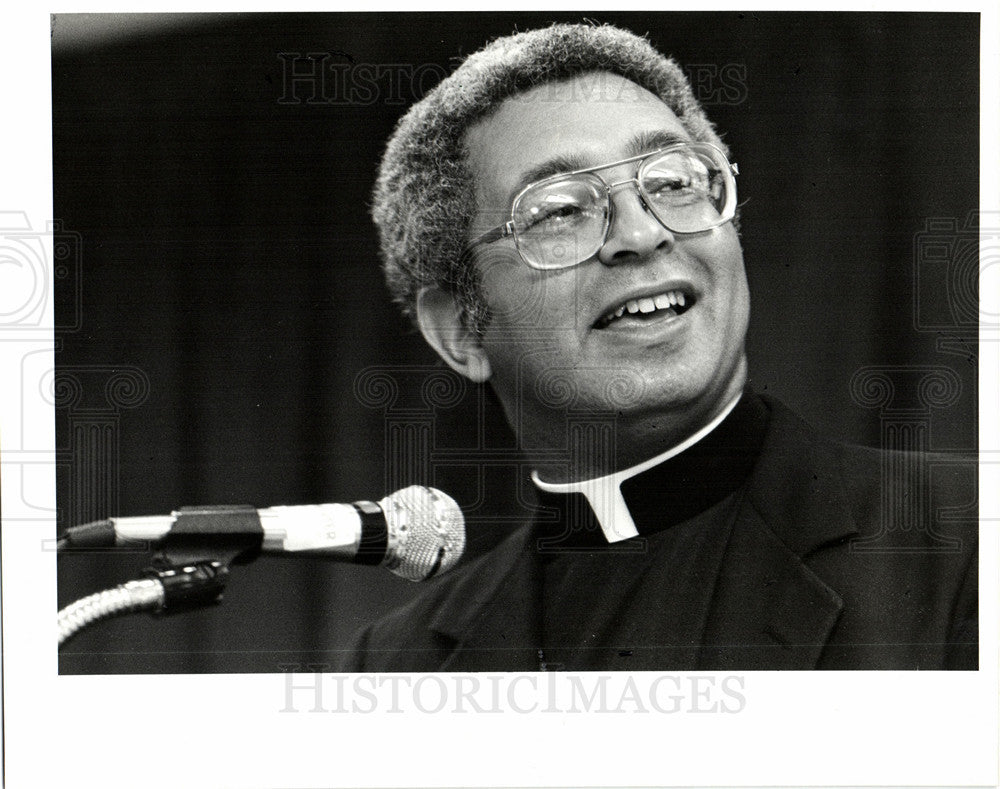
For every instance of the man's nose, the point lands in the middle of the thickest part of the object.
(634, 231)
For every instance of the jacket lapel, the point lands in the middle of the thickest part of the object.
(770, 610)
(491, 619)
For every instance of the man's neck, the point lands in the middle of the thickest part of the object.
(597, 446)
(620, 474)
(689, 478)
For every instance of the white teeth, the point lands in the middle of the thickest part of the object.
(647, 304)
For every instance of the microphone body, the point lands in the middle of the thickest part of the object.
(416, 532)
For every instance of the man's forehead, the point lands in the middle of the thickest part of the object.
(586, 86)
(589, 120)
(641, 142)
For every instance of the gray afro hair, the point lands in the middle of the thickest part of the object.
(424, 198)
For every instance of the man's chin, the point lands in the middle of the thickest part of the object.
(683, 392)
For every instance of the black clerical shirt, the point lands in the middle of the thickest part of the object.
(641, 603)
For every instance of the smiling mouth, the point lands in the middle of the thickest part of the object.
(670, 303)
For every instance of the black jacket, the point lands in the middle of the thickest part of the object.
(811, 576)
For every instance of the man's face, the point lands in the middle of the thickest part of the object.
(548, 335)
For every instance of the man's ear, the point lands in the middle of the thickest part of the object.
(440, 321)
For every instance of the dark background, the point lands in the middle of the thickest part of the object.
(222, 311)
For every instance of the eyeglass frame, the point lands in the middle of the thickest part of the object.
(507, 228)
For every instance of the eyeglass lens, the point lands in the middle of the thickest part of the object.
(563, 221)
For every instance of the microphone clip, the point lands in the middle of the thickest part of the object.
(193, 560)
(189, 586)
(230, 534)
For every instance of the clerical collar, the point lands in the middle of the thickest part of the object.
(673, 486)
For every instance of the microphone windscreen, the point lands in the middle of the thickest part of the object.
(426, 532)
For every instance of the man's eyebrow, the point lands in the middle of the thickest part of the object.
(553, 166)
(649, 141)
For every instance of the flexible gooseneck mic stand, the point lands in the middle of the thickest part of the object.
(190, 569)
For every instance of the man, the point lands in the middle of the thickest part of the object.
(559, 218)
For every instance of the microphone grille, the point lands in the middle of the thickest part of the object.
(426, 532)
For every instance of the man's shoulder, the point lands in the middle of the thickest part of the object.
(890, 532)
(903, 500)
(867, 469)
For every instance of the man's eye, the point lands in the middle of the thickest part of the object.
(561, 211)
(552, 214)
(673, 184)
(682, 185)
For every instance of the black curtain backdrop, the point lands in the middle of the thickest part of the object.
(225, 336)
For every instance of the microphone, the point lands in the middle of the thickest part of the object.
(416, 532)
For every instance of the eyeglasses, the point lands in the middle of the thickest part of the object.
(564, 220)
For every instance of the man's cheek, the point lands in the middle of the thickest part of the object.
(534, 303)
